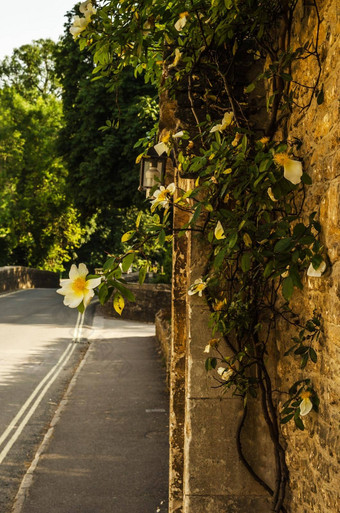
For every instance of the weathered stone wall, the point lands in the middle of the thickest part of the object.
(206, 474)
(150, 297)
(163, 335)
(312, 454)
(178, 373)
(215, 480)
(18, 277)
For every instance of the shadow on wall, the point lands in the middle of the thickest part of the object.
(18, 277)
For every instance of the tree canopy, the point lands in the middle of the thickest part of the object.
(100, 128)
(39, 226)
(30, 70)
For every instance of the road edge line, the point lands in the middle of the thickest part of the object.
(28, 477)
(17, 418)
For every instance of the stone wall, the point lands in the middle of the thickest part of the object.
(312, 454)
(163, 335)
(150, 298)
(205, 472)
(18, 277)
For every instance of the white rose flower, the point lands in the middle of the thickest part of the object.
(316, 273)
(292, 169)
(77, 289)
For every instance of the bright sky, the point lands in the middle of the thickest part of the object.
(22, 21)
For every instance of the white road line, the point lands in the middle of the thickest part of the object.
(6, 294)
(28, 477)
(78, 328)
(50, 378)
(32, 396)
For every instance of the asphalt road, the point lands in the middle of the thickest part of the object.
(41, 344)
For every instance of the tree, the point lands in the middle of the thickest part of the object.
(39, 225)
(101, 125)
(30, 70)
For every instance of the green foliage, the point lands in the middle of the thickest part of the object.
(39, 225)
(249, 190)
(99, 126)
(266, 243)
(30, 70)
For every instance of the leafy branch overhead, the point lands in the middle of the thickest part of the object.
(231, 69)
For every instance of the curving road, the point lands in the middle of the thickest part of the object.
(41, 345)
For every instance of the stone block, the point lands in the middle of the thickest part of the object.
(226, 504)
(212, 464)
(330, 219)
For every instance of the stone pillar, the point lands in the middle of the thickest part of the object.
(178, 356)
(215, 480)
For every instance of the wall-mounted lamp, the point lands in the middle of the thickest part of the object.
(152, 170)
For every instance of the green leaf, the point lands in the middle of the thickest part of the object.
(287, 410)
(283, 245)
(293, 273)
(316, 261)
(161, 238)
(317, 226)
(109, 264)
(124, 291)
(304, 361)
(81, 307)
(265, 164)
(196, 214)
(142, 274)
(219, 258)
(250, 88)
(244, 143)
(259, 179)
(287, 288)
(232, 240)
(306, 179)
(290, 350)
(287, 419)
(103, 293)
(299, 230)
(210, 363)
(128, 235)
(127, 261)
(268, 269)
(116, 273)
(320, 97)
(118, 303)
(301, 350)
(299, 424)
(138, 220)
(313, 356)
(246, 262)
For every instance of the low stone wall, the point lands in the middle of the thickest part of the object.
(163, 335)
(18, 277)
(150, 298)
